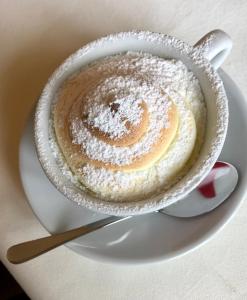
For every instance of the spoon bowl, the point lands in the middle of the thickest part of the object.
(211, 192)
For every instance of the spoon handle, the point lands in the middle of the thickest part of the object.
(25, 251)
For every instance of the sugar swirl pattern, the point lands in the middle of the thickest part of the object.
(128, 124)
(156, 114)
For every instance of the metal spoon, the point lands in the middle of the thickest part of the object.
(213, 190)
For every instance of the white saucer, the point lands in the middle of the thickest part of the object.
(143, 239)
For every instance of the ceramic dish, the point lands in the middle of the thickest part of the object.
(214, 46)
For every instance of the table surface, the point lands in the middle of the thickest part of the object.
(35, 36)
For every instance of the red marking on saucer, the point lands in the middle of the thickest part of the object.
(220, 164)
(206, 187)
(207, 190)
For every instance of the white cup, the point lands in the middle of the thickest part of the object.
(203, 59)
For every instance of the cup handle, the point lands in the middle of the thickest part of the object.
(215, 46)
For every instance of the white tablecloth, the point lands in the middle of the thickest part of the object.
(35, 36)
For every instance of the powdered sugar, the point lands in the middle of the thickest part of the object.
(128, 88)
(168, 170)
(130, 79)
(112, 117)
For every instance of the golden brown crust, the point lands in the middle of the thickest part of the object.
(76, 158)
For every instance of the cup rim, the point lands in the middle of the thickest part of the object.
(176, 192)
